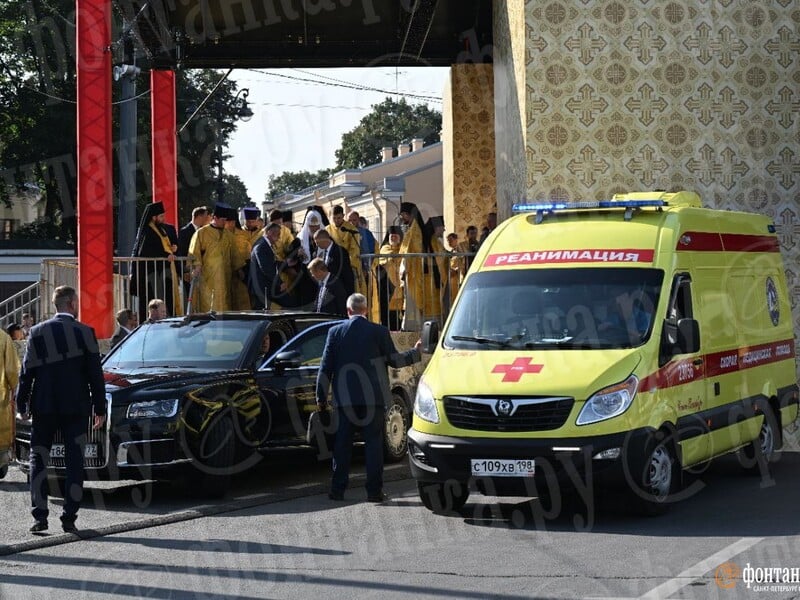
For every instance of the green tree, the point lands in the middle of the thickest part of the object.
(292, 181)
(389, 123)
(234, 192)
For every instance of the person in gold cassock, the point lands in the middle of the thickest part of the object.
(387, 289)
(251, 228)
(240, 259)
(347, 236)
(422, 278)
(210, 252)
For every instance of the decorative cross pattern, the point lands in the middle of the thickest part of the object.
(711, 171)
(787, 46)
(787, 168)
(587, 43)
(703, 104)
(587, 104)
(646, 164)
(646, 104)
(702, 43)
(788, 228)
(645, 43)
(587, 166)
(785, 107)
(728, 107)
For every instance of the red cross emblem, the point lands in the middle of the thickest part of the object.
(517, 369)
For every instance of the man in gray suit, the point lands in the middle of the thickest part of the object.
(61, 384)
(354, 362)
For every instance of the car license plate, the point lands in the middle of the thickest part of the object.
(57, 451)
(492, 467)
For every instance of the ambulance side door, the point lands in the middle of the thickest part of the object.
(684, 375)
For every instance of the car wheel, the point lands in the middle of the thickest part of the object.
(215, 460)
(760, 452)
(446, 497)
(3, 471)
(396, 424)
(657, 477)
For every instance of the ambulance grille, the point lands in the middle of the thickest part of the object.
(528, 414)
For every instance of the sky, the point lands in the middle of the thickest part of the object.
(301, 114)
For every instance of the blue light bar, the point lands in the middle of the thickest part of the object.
(523, 207)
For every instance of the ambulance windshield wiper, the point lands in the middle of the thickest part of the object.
(503, 342)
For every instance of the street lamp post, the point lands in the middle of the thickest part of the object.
(241, 110)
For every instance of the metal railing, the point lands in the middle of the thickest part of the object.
(403, 290)
(135, 282)
(24, 301)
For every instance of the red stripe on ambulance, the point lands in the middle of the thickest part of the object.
(702, 241)
(717, 363)
(585, 255)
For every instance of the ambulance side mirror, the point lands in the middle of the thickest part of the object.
(688, 336)
(430, 336)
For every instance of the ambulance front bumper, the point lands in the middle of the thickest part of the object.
(574, 462)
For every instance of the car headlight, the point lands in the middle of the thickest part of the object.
(156, 408)
(425, 405)
(609, 402)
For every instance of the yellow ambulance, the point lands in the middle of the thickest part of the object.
(604, 342)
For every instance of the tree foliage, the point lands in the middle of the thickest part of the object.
(389, 123)
(292, 181)
(38, 116)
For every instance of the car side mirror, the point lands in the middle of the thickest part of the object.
(430, 336)
(287, 360)
(688, 336)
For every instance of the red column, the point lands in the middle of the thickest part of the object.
(165, 143)
(95, 217)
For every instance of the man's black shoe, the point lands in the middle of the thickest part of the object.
(378, 498)
(336, 495)
(69, 526)
(38, 526)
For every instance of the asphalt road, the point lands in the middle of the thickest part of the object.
(278, 536)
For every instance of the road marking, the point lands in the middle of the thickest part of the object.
(668, 588)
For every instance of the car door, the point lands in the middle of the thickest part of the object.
(291, 387)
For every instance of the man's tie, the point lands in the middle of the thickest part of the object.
(320, 296)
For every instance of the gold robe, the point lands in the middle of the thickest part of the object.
(253, 236)
(211, 249)
(348, 238)
(419, 284)
(177, 307)
(391, 265)
(9, 378)
(240, 296)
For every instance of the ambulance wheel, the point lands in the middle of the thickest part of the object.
(760, 452)
(657, 477)
(396, 425)
(446, 497)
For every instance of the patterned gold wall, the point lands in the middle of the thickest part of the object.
(633, 95)
(468, 135)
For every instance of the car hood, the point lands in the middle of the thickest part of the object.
(166, 378)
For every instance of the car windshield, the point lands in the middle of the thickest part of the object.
(555, 308)
(217, 344)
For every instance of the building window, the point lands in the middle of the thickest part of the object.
(6, 228)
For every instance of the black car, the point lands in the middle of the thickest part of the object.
(205, 394)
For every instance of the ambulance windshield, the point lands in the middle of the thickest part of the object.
(556, 308)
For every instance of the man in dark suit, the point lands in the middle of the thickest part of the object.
(331, 297)
(263, 278)
(200, 217)
(61, 384)
(337, 260)
(354, 362)
(127, 320)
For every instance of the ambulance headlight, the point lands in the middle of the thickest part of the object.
(424, 404)
(609, 402)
